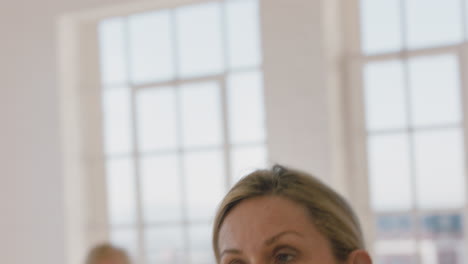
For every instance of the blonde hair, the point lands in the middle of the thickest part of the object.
(104, 251)
(330, 213)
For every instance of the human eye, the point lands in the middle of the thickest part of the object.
(235, 261)
(284, 258)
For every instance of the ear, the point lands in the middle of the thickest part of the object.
(359, 256)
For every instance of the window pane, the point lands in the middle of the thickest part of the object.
(435, 93)
(151, 54)
(156, 111)
(465, 4)
(441, 252)
(205, 183)
(380, 26)
(117, 121)
(246, 108)
(385, 96)
(125, 238)
(243, 33)
(439, 168)
(199, 40)
(165, 245)
(161, 188)
(446, 224)
(201, 114)
(398, 251)
(396, 225)
(200, 244)
(121, 191)
(112, 52)
(433, 22)
(445, 242)
(389, 172)
(247, 159)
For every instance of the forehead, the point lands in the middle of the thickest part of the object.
(113, 258)
(257, 219)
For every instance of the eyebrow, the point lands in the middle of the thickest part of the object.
(274, 238)
(267, 242)
(231, 251)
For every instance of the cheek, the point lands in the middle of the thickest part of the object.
(318, 257)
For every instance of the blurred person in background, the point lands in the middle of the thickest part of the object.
(107, 254)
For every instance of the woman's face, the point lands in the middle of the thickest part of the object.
(272, 230)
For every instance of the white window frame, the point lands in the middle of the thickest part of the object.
(82, 126)
(355, 61)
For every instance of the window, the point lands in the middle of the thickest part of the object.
(183, 118)
(412, 85)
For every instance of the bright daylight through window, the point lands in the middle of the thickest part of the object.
(412, 78)
(183, 119)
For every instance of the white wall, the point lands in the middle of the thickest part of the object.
(302, 106)
(302, 58)
(31, 190)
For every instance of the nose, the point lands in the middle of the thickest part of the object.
(257, 260)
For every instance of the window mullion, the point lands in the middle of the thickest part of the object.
(406, 54)
(224, 97)
(140, 226)
(463, 66)
(180, 146)
(412, 166)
